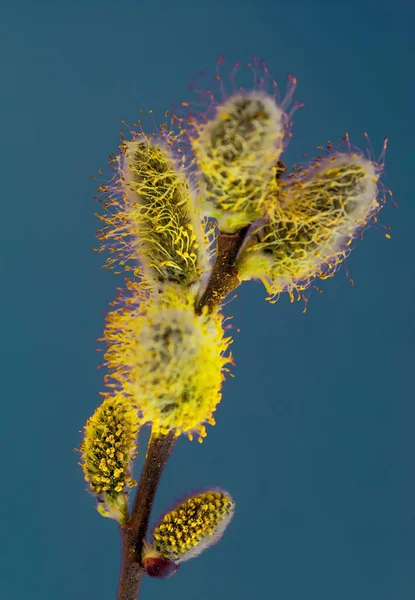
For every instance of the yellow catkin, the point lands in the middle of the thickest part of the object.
(108, 449)
(151, 217)
(168, 361)
(311, 223)
(192, 526)
(237, 152)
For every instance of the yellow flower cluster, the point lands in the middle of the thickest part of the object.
(151, 216)
(193, 526)
(109, 446)
(237, 152)
(311, 223)
(168, 361)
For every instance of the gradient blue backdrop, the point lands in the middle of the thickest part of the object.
(315, 434)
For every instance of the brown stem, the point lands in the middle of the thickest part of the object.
(223, 279)
(134, 532)
(224, 276)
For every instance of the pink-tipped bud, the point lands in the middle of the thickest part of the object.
(163, 568)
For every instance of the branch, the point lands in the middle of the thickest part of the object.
(223, 279)
(134, 532)
(224, 276)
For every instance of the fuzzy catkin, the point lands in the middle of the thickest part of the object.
(309, 226)
(237, 151)
(169, 361)
(151, 216)
(192, 526)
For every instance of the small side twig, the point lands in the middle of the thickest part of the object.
(224, 276)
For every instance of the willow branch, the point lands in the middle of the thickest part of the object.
(134, 532)
(224, 276)
(223, 279)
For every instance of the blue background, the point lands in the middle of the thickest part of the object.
(315, 434)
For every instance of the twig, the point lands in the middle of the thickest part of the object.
(223, 279)
(224, 276)
(134, 532)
